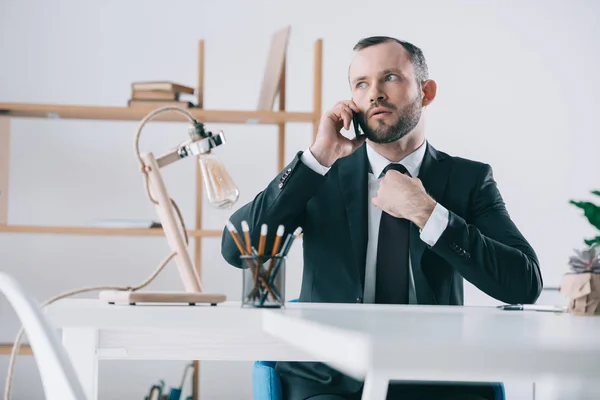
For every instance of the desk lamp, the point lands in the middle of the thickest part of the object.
(221, 193)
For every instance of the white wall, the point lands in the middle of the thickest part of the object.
(517, 89)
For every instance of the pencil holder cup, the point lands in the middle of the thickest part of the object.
(264, 281)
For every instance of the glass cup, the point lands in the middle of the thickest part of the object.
(263, 281)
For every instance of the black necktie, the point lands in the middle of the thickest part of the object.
(391, 283)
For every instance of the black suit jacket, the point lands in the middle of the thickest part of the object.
(480, 244)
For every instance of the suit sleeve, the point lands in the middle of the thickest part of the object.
(282, 202)
(489, 251)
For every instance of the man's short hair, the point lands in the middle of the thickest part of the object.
(416, 54)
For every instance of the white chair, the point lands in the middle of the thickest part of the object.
(58, 376)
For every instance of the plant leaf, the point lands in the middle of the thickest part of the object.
(590, 210)
(590, 242)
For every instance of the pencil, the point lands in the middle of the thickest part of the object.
(284, 251)
(261, 250)
(263, 240)
(295, 236)
(280, 231)
(246, 230)
(235, 237)
(238, 243)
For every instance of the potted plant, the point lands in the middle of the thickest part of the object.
(582, 283)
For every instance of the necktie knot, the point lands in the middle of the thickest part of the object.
(398, 167)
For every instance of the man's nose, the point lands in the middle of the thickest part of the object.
(376, 94)
(377, 98)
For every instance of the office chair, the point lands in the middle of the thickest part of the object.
(58, 375)
(266, 384)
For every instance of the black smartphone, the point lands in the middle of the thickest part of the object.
(357, 131)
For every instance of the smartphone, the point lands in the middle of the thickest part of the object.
(357, 131)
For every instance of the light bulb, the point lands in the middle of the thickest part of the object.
(220, 188)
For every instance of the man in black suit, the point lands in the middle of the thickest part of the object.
(387, 218)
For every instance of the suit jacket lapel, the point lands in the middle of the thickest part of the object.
(353, 175)
(434, 176)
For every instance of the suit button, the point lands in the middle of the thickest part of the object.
(359, 300)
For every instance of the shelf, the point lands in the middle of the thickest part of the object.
(83, 230)
(6, 349)
(55, 111)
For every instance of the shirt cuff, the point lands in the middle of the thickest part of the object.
(435, 226)
(310, 161)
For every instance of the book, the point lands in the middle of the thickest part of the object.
(159, 103)
(154, 95)
(165, 86)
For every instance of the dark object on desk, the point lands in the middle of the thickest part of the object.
(532, 307)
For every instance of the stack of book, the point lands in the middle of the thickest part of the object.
(160, 94)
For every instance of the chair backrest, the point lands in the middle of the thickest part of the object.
(58, 375)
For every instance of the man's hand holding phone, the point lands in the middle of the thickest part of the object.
(330, 145)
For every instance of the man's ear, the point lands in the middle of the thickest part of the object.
(429, 88)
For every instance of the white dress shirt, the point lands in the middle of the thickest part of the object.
(433, 229)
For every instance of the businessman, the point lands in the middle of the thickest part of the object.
(387, 218)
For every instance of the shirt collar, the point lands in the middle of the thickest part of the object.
(411, 162)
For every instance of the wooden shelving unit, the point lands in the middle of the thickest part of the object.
(83, 230)
(137, 113)
(278, 117)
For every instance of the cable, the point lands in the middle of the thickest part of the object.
(17, 342)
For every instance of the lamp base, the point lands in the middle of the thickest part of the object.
(133, 298)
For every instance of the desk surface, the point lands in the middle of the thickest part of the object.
(99, 314)
(171, 332)
(455, 343)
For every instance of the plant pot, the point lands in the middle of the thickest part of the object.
(583, 292)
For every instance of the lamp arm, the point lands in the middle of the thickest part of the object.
(149, 117)
(168, 158)
(143, 122)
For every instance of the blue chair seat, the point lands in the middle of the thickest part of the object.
(265, 381)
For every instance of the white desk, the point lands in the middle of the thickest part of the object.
(376, 342)
(386, 343)
(92, 330)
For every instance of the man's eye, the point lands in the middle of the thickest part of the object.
(390, 77)
(360, 85)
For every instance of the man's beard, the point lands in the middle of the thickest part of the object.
(409, 117)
